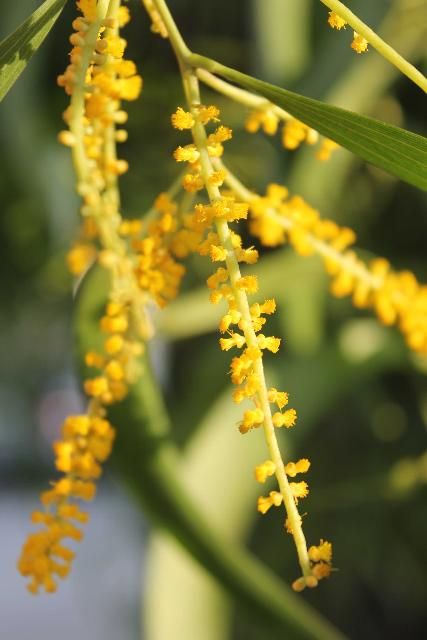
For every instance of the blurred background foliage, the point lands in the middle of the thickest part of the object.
(361, 397)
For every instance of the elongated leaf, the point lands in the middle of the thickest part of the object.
(17, 48)
(401, 153)
(150, 463)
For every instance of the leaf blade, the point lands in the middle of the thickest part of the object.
(18, 48)
(400, 152)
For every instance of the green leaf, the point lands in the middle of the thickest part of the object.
(401, 153)
(17, 48)
(150, 463)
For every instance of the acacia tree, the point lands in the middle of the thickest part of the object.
(141, 263)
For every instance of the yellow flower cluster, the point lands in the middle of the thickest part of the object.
(97, 79)
(359, 43)
(335, 21)
(298, 489)
(396, 297)
(118, 364)
(321, 564)
(262, 118)
(294, 132)
(157, 272)
(80, 256)
(86, 442)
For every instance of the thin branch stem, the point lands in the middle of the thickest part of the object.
(180, 48)
(191, 89)
(242, 96)
(224, 233)
(378, 43)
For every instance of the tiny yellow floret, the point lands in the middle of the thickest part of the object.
(182, 119)
(359, 44)
(264, 470)
(335, 21)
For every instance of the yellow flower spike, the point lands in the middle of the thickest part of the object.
(359, 44)
(335, 21)
(264, 470)
(246, 369)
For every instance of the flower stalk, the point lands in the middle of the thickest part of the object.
(378, 43)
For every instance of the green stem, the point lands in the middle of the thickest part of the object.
(191, 87)
(240, 95)
(179, 46)
(378, 43)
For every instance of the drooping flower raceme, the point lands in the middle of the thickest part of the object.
(142, 269)
(207, 231)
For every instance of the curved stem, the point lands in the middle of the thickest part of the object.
(378, 43)
(199, 135)
(246, 98)
(180, 48)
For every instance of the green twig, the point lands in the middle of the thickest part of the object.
(378, 43)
